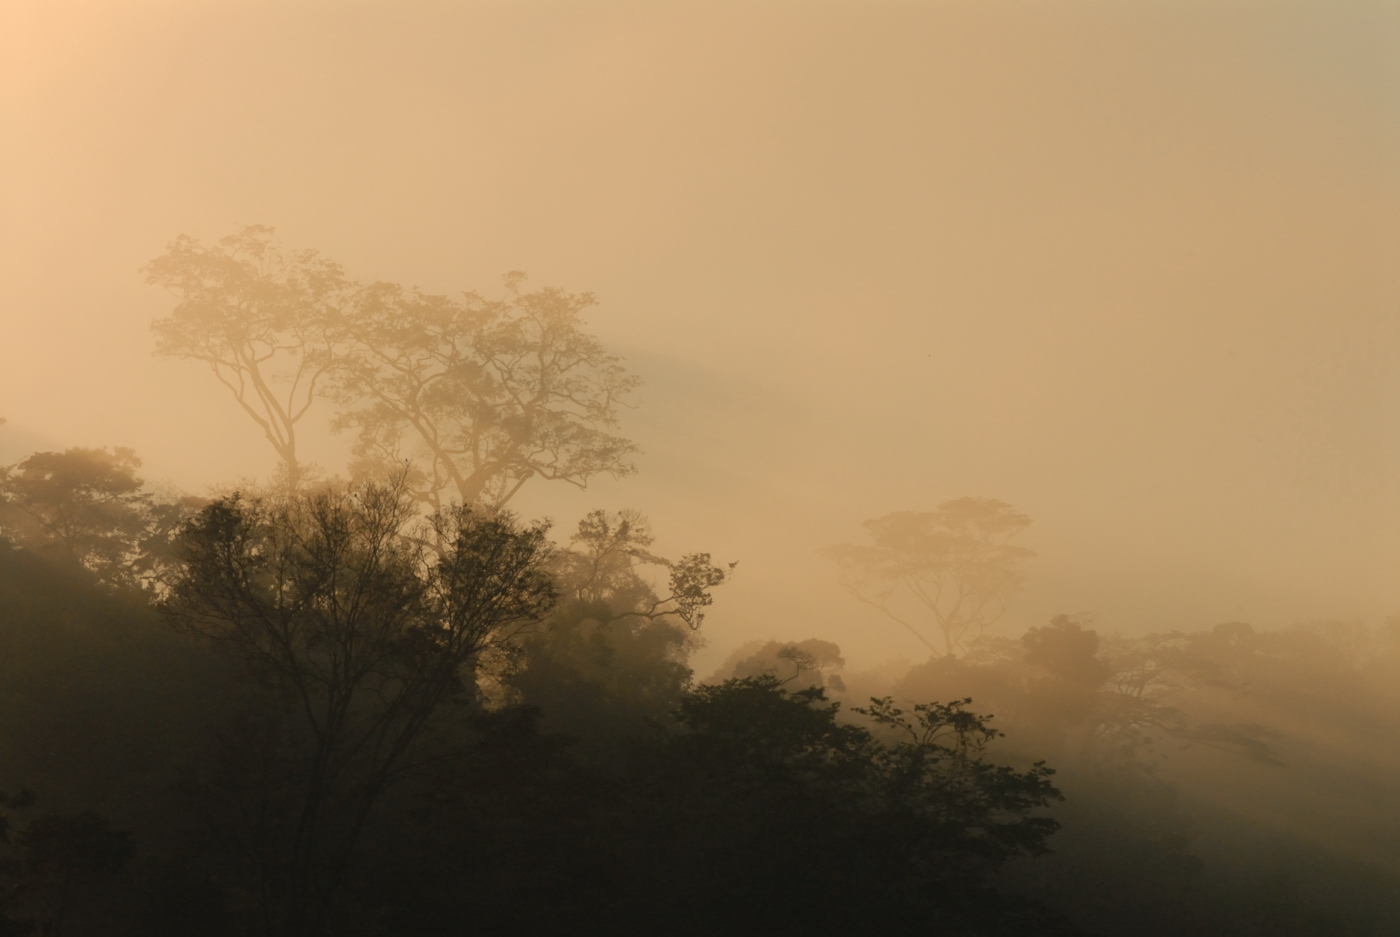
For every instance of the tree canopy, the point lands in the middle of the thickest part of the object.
(88, 507)
(332, 600)
(475, 395)
(480, 395)
(956, 565)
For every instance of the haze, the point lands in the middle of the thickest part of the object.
(1128, 267)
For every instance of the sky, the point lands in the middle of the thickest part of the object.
(1130, 267)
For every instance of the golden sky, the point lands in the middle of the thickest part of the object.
(1129, 266)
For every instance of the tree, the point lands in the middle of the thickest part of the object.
(480, 395)
(812, 662)
(1137, 676)
(611, 661)
(978, 814)
(763, 811)
(67, 873)
(476, 395)
(260, 319)
(86, 506)
(1062, 688)
(768, 798)
(367, 636)
(956, 563)
(602, 569)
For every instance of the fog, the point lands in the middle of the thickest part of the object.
(1128, 267)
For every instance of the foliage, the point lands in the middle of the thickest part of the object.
(799, 663)
(602, 569)
(479, 395)
(366, 635)
(937, 809)
(938, 770)
(752, 807)
(611, 661)
(87, 507)
(763, 813)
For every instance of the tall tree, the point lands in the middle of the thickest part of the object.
(367, 636)
(260, 319)
(955, 565)
(480, 395)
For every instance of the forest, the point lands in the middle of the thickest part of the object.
(380, 702)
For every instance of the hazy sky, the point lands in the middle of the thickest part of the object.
(1128, 266)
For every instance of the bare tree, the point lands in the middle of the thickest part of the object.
(956, 566)
(259, 319)
(366, 635)
(478, 395)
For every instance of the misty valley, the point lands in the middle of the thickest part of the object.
(377, 699)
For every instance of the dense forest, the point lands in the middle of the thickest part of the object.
(384, 704)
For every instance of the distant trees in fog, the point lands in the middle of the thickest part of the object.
(476, 395)
(479, 395)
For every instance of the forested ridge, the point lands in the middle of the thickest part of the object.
(384, 704)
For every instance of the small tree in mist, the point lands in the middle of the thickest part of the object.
(956, 565)
(480, 395)
(260, 319)
(366, 636)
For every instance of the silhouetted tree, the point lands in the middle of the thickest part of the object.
(477, 395)
(367, 636)
(956, 563)
(260, 319)
(761, 812)
(60, 873)
(86, 506)
(780, 811)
